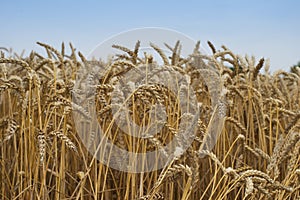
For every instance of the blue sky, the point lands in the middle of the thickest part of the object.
(267, 28)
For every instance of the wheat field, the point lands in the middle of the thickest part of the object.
(42, 156)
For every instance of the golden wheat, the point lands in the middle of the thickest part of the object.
(255, 116)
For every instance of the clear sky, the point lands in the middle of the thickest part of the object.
(269, 29)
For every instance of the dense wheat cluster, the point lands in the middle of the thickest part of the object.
(257, 118)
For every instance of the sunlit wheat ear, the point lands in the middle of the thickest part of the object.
(237, 124)
(43, 63)
(125, 49)
(173, 173)
(256, 151)
(69, 103)
(11, 129)
(213, 157)
(281, 150)
(50, 48)
(202, 128)
(176, 53)
(275, 156)
(261, 177)
(132, 55)
(16, 62)
(156, 196)
(6, 86)
(161, 53)
(255, 173)
(249, 187)
(262, 154)
(60, 135)
(41, 145)
(13, 79)
(117, 68)
(195, 168)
